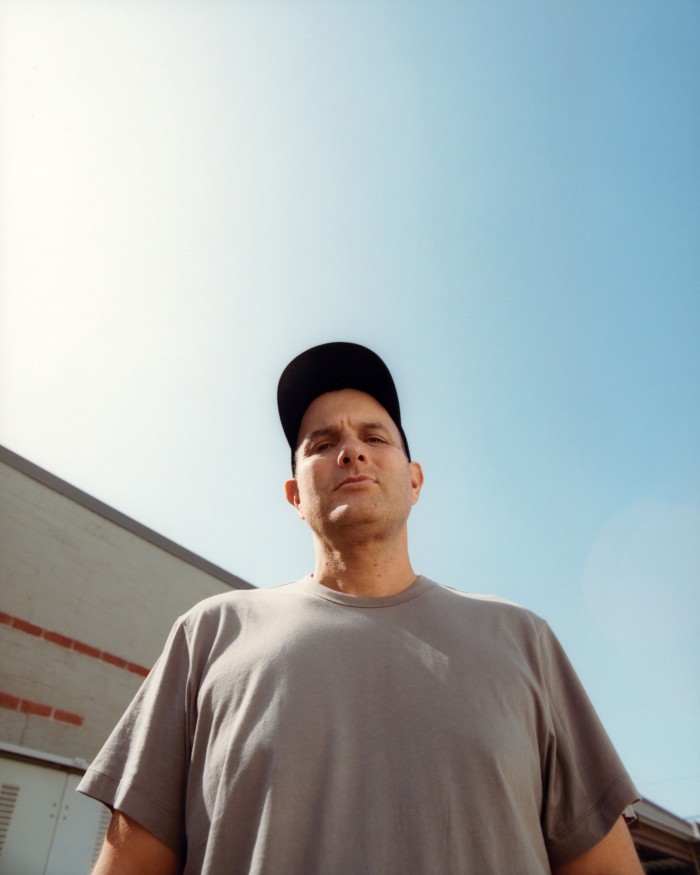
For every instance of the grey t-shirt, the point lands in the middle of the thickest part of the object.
(302, 731)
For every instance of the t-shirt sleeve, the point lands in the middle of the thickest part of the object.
(585, 786)
(142, 768)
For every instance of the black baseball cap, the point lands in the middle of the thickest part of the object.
(329, 368)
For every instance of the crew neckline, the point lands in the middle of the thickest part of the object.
(418, 587)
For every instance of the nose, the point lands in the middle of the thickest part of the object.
(350, 451)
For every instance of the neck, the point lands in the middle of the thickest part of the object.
(369, 569)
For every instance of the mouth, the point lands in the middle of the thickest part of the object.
(351, 482)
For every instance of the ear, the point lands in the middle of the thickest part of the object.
(291, 491)
(416, 479)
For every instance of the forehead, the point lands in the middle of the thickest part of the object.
(344, 406)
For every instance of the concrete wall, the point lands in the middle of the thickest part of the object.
(87, 598)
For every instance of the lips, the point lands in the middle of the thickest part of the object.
(350, 480)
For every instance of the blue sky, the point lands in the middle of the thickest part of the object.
(503, 199)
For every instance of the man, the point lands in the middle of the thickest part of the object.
(363, 719)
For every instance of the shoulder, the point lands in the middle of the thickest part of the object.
(241, 603)
(220, 621)
(485, 605)
(494, 622)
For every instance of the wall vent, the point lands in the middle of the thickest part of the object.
(8, 801)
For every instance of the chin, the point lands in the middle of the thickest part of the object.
(348, 517)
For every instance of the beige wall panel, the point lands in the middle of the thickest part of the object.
(12, 726)
(69, 570)
(72, 566)
(39, 671)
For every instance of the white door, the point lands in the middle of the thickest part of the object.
(46, 828)
(81, 826)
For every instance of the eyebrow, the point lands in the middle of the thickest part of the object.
(372, 426)
(319, 432)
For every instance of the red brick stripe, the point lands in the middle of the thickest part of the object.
(67, 717)
(26, 706)
(37, 708)
(114, 660)
(24, 626)
(55, 638)
(71, 644)
(85, 649)
(8, 701)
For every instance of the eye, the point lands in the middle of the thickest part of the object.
(376, 439)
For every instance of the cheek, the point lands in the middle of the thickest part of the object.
(307, 496)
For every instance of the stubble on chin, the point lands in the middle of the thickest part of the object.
(363, 522)
(358, 525)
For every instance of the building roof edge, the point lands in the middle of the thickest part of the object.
(24, 466)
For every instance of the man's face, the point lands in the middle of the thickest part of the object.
(351, 468)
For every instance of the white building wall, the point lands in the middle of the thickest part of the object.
(86, 603)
